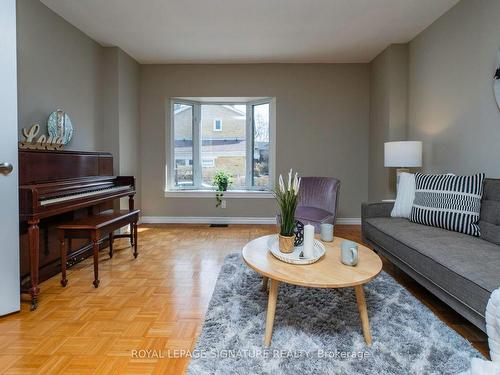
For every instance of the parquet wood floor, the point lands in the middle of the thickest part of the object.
(155, 302)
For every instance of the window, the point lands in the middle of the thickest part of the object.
(260, 151)
(183, 145)
(201, 146)
(208, 163)
(217, 125)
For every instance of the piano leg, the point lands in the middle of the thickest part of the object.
(131, 202)
(34, 247)
(95, 243)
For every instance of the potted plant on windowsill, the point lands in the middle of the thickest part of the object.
(221, 181)
(287, 197)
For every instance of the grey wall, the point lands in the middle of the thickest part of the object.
(119, 134)
(128, 114)
(58, 67)
(437, 89)
(120, 109)
(451, 103)
(108, 138)
(321, 121)
(388, 115)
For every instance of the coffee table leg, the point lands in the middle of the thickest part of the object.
(360, 298)
(265, 281)
(271, 308)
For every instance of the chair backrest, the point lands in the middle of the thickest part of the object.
(320, 192)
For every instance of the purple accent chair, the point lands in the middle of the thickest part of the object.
(318, 201)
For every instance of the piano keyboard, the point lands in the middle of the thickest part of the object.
(65, 198)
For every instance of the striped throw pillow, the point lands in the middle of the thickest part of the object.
(448, 202)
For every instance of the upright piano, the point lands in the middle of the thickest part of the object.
(57, 186)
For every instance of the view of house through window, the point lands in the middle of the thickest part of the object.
(212, 136)
(226, 147)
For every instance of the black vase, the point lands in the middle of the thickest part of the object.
(298, 230)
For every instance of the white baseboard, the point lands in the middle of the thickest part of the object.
(225, 220)
(349, 220)
(206, 220)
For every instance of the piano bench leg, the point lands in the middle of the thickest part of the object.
(134, 232)
(64, 280)
(96, 262)
(111, 239)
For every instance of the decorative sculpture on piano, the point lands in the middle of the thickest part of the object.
(43, 142)
(59, 125)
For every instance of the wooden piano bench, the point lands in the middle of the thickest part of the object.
(97, 228)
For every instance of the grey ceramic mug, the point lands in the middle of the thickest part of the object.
(326, 231)
(349, 253)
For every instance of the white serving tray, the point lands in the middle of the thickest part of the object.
(294, 256)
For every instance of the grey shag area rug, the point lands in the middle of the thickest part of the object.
(318, 331)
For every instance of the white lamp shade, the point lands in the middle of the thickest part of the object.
(403, 154)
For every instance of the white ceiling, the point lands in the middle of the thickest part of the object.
(251, 31)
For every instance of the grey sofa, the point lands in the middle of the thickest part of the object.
(459, 269)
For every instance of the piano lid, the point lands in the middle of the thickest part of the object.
(38, 166)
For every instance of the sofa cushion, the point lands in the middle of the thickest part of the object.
(305, 214)
(490, 211)
(466, 267)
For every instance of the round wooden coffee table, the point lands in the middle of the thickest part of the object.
(328, 272)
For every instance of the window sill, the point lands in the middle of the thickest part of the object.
(211, 194)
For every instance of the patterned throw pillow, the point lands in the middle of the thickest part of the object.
(448, 202)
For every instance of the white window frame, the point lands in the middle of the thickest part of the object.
(215, 125)
(198, 190)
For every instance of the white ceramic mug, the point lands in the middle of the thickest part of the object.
(349, 253)
(326, 232)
